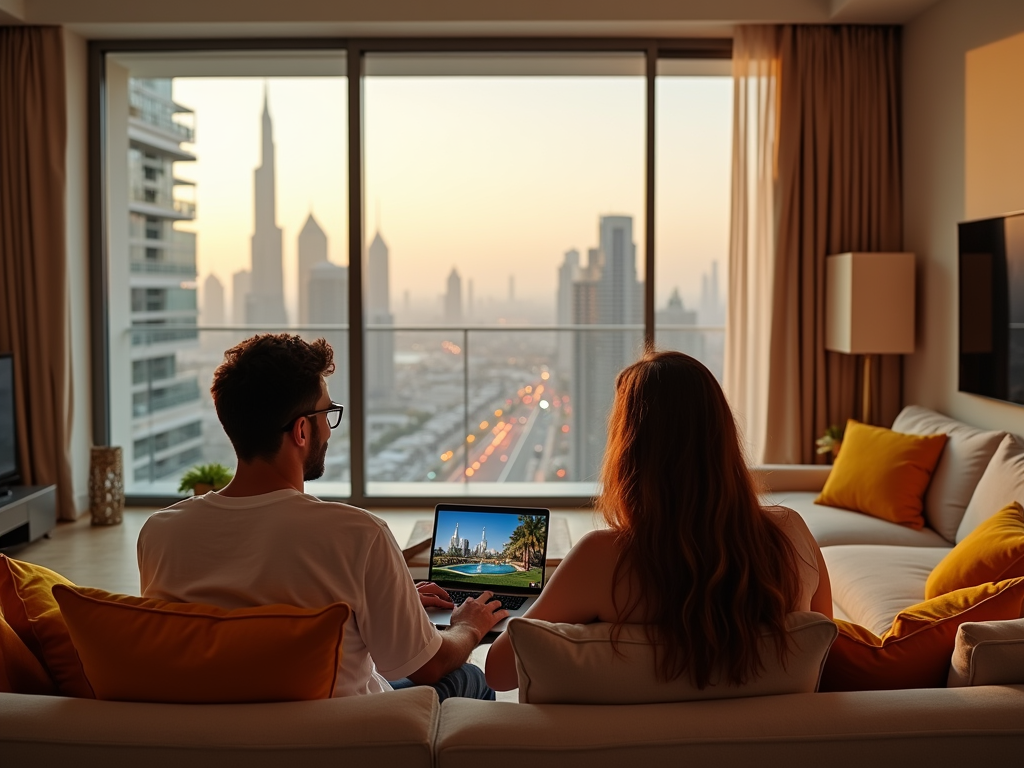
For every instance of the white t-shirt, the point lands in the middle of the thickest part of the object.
(292, 548)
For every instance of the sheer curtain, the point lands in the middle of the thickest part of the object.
(756, 68)
(33, 275)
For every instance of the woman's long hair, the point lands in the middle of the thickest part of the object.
(711, 569)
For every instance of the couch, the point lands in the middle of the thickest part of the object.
(877, 568)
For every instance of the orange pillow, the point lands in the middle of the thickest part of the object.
(883, 473)
(20, 671)
(915, 652)
(142, 649)
(35, 617)
(993, 551)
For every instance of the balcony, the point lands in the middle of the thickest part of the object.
(463, 411)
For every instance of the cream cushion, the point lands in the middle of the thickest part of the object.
(831, 525)
(1001, 483)
(988, 653)
(578, 664)
(872, 583)
(961, 465)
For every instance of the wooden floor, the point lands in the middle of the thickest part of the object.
(104, 557)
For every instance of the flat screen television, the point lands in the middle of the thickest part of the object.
(991, 272)
(8, 426)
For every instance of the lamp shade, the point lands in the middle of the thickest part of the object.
(869, 303)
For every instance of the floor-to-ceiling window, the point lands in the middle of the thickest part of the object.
(498, 226)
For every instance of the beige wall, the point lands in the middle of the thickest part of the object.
(937, 48)
(77, 238)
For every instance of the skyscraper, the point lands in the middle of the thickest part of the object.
(568, 273)
(265, 302)
(241, 284)
(328, 305)
(167, 425)
(676, 314)
(607, 293)
(312, 250)
(453, 298)
(213, 301)
(380, 343)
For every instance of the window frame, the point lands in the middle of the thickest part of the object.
(355, 49)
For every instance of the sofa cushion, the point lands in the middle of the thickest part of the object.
(1001, 483)
(579, 664)
(883, 473)
(20, 671)
(961, 465)
(831, 525)
(873, 583)
(915, 652)
(33, 613)
(988, 653)
(993, 551)
(387, 729)
(144, 649)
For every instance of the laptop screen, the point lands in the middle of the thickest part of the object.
(496, 548)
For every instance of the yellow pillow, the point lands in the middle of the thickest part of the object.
(141, 649)
(35, 617)
(882, 473)
(991, 552)
(20, 671)
(915, 652)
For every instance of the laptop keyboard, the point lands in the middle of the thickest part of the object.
(508, 602)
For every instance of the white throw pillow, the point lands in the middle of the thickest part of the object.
(1002, 483)
(577, 664)
(988, 653)
(961, 465)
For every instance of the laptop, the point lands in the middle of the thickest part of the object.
(477, 548)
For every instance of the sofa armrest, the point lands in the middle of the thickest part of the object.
(791, 477)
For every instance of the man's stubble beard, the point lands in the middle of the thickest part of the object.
(316, 461)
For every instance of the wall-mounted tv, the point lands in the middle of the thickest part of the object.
(992, 307)
(8, 427)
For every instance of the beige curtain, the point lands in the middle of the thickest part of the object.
(753, 229)
(33, 284)
(839, 190)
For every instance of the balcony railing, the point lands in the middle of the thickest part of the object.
(478, 410)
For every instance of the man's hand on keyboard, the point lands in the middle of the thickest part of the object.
(432, 596)
(481, 613)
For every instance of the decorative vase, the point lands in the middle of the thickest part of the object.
(106, 485)
(201, 489)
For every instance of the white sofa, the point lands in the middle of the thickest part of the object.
(877, 568)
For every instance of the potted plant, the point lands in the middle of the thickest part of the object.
(830, 442)
(204, 478)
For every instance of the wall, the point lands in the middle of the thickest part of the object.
(937, 47)
(77, 244)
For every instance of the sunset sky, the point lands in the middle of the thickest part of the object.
(494, 176)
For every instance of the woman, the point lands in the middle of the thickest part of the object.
(689, 551)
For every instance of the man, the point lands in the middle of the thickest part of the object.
(262, 540)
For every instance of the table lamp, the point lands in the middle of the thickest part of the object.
(869, 308)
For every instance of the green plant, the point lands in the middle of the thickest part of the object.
(214, 475)
(830, 441)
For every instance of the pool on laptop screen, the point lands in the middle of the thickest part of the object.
(493, 549)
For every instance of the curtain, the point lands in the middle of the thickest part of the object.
(33, 283)
(839, 190)
(752, 229)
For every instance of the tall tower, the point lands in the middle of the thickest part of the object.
(328, 305)
(241, 284)
(380, 343)
(213, 301)
(607, 294)
(568, 273)
(312, 251)
(453, 298)
(265, 305)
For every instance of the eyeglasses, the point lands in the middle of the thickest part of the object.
(333, 411)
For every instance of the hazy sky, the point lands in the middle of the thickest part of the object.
(494, 176)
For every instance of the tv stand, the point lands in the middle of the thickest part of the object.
(27, 512)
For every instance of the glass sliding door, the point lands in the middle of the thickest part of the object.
(503, 289)
(226, 217)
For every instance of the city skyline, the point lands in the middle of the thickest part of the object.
(318, 185)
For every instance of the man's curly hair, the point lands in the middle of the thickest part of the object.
(265, 382)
